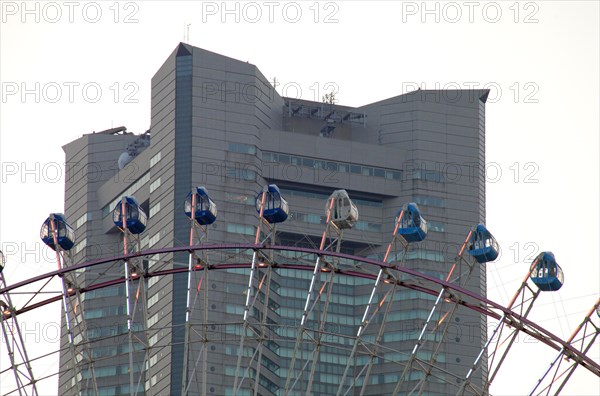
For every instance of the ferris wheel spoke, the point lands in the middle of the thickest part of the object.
(409, 227)
(202, 211)
(129, 217)
(341, 214)
(272, 208)
(379, 337)
(14, 343)
(523, 300)
(482, 246)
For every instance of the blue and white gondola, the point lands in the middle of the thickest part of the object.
(205, 210)
(135, 217)
(65, 235)
(276, 209)
(482, 245)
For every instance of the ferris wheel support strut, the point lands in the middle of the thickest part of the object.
(201, 234)
(569, 371)
(498, 331)
(421, 340)
(366, 320)
(66, 309)
(20, 346)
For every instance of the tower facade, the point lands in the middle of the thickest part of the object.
(217, 122)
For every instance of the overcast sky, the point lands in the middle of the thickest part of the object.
(68, 69)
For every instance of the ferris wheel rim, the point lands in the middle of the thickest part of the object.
(511, 318)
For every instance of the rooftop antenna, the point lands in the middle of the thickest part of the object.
(186, 35)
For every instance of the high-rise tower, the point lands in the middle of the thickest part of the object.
(218, 122)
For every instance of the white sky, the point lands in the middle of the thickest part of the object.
(542, 116)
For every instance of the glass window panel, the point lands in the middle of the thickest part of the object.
(308, 162)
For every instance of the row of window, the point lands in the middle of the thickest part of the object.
(333, 166)
(435, 226)
(429, 201)
(243, 229)
(102, 293)
(111, 390)
(114, 350)
(353, 300)
(313, 218)
(345, 167)
(263, 381)
(242, 148)
(421, 254)
(286, 191)
(109, 371)
(339, 280)
(104, 312)
(112, 330)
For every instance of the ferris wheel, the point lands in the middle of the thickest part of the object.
(265, 342)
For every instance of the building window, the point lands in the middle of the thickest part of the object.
(154, 239)
(242, 148)
(82, 220)
(368, 226)
(103, 293)
(80, 246)
(429, 175)
(240, 229)
(104, 312)
(152, 281)
(153, 319)
(435, 226)
(154, 160)
(154, 209)
(234, 309)
(154, 185)
(153, 360)
(152, 300)
(429, 201)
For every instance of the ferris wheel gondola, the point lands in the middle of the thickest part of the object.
(135, 218)
(547, 274)
(344, 212)
(413, 226)
(482, 245)
(65, 235)
(275, 208)
(205, 210)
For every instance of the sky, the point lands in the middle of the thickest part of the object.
(70, 68)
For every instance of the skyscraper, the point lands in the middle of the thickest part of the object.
(217, 122)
